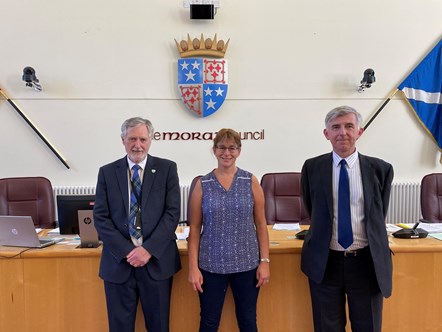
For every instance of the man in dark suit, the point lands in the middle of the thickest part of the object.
(136, 212)
(345, 253)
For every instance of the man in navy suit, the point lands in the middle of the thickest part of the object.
(359, 269)
(138, 265)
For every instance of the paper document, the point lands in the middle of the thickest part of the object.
(55, 231)
(286, 226)
(431, 228)
(391, 228)
(437, 236)
(184, 235)
(428, 227)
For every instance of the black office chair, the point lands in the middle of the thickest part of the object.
(283, 200)
(28, 196)
(431, 197)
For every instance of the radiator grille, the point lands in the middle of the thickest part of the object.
(74, 190)
(90, 190)
(405, 204)
(404, 200)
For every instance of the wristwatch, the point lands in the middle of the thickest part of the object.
(266, 260)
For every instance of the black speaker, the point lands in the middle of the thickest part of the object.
(202, 12)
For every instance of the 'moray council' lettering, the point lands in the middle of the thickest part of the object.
(202, 136)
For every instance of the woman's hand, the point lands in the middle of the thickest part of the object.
(263, 274)
(196, 279)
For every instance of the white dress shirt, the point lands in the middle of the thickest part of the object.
(142, 164)
(360, 239)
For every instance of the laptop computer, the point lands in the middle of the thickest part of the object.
(88, 233)
(19, 231)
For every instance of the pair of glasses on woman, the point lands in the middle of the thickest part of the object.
(223, 148)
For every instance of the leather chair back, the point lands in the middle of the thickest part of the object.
(192, 186)
(28, 196)
(283, 199)
(431, 197)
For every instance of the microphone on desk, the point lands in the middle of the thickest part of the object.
(411, 233)
(415, 226)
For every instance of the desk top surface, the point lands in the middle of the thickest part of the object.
(281, 242)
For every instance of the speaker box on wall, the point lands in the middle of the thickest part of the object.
(202, 12)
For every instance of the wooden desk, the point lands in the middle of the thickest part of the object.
(416, 302)
(11, 289)
(68, 278)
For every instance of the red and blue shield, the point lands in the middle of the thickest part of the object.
(202, 74)
(202, 84)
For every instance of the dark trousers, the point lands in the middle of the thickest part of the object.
(245, 294)
(122, 302)
(352, 279)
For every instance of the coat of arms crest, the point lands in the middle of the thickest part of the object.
(202, 74)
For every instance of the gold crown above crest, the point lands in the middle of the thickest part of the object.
(202, 47)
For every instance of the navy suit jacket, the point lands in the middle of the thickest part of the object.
(316, 181)
(160, 212)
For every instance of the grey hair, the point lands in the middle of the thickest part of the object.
(134, 122)
(341, 111)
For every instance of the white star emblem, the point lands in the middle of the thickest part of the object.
(208, 91)
(210, 103)
(195, 65)
(190, 76)
(219, 91)
(184, 65)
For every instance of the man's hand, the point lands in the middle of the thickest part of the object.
(138, 257)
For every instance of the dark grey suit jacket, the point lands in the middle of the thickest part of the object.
(160, 208)
(316, 180)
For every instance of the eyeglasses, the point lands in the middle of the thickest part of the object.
(223, 148)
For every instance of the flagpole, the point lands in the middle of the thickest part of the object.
(380, 109)
(34, 129)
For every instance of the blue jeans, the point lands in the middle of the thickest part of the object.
(245, 294)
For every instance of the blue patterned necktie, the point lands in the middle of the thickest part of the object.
(135, 201)
(345, 232)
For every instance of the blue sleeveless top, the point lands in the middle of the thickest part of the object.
(228, 240)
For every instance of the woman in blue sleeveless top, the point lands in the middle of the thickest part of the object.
(228, 240)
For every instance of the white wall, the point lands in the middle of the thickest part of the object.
(290, 62)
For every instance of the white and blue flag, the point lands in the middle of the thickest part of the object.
(423, 89)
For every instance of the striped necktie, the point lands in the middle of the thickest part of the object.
(135, 208)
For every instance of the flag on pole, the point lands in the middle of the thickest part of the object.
(423, 89)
